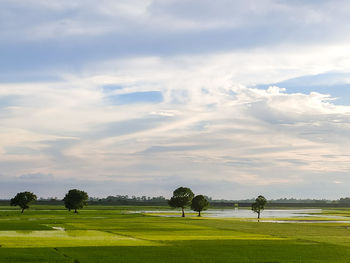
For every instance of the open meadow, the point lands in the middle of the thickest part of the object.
(118, 234)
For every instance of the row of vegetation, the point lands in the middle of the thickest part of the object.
(182, 197)
(162, 201)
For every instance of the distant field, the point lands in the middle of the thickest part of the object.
(113, 234)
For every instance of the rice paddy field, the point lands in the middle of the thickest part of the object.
(126, 234)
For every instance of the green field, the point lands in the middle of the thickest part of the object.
(113, 234)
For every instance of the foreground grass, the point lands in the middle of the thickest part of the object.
(111, 234)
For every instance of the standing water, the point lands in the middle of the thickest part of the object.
(272, 214)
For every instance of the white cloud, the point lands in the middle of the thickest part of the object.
(212, 125)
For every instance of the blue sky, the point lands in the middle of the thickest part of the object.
(230, 98)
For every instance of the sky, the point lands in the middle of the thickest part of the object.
(230, 98)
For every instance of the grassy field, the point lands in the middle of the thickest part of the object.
(113, 234)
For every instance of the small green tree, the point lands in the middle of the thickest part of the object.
(259, 205)
(23, 199)
(75, 199)
(182, 198)
(199, 203)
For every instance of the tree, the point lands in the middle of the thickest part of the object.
(199, 203)
(182, 198)
(259, 205)
(23, 199)
(75, 199)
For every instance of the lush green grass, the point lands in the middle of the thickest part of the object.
(111, 234)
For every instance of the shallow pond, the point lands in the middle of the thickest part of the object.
(269, 214)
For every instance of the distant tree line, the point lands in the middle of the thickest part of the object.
(127, 200)
(182, 197)
(160, 200)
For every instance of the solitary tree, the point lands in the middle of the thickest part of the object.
(259, 205)
(182, 197)
(199, 203)
(23, 199)
(75, 199)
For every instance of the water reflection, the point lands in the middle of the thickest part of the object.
(269, 213)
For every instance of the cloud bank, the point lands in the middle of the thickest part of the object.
(232, 99)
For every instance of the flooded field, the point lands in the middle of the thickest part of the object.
(151, 234)
(269, 215)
